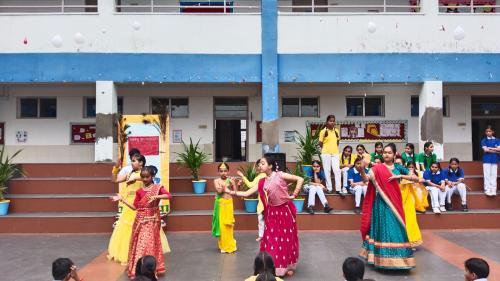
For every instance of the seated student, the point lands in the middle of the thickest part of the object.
(476, 269)
(426, 158)
(377, 154)
(63, 269)
(346, 162)
(356, 184)
(454, 176)
(263, 268)
(353, 269)
(435, 184)
(316, 187)
(361, 151)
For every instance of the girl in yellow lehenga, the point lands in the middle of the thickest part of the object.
(414, 197)
(119, 242)
(223, 217)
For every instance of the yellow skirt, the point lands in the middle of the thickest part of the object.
(227, 243)
(412, 229)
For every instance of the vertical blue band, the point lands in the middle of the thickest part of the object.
(269, 26)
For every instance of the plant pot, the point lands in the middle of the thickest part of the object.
(251, 205)
(307, 169)
(199, 186)
(299, 204)
(4, 206)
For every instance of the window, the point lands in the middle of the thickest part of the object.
(89, 105)
(486, 106)
(414, 107)
(37, 108)
(365, 106)
(177, 107)
(299, 107)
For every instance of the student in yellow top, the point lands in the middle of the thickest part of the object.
(347, 160)
(329, 139)
(263, 268)
(361, 152)
(260, 206)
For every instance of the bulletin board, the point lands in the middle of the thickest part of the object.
(82, 133)
(369, 131)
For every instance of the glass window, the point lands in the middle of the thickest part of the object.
(446, 106)
(354, 106)
(120, 105)
(309, 107)
(89, 107)
(179, 107)
(373, 106)
(48, 107)
(159, 105)
(414, 107)
(28, 107)
(486, 106)
(290, 107)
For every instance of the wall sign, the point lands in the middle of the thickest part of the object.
(147, 145)
(82, 133)
(369, 131)
(2, 130)
(21, 136)
(177, 136)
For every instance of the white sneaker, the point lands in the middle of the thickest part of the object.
(436, 210)
(442, 209)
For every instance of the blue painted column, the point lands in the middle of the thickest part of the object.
(270, 98)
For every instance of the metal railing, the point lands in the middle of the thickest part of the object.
(47, 6)
(188, 7)
(468, 7)
(349, 6)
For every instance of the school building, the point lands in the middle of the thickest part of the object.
(240, 75)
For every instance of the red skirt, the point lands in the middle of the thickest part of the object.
(281, 239)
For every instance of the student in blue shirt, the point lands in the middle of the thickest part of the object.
(491, 148)
(454, 177)
(356, 184)
(316, 187)
(435, 184)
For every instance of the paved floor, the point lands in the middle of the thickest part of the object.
(195, 256)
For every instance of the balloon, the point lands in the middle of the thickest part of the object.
(372, 27)
(57, 41)
(459, 33)
(79, 39)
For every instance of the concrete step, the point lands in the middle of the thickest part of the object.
(28, 203)
(62, 185)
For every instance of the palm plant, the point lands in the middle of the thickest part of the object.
(250, 173)
(308, 146)
(192, 158)
(298, 171)
(8, 170)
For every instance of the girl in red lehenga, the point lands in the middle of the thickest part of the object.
(145, 240)
(280, 238)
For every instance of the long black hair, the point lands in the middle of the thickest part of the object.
(326, 131)
(148, 267)
(263, 266)
(350, 156)
(271, 161)
(152, 170)
(454, 159)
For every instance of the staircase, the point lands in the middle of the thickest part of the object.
(73, 198)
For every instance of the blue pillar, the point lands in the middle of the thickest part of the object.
(270, 98)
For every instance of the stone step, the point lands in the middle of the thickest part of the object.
(28, 203)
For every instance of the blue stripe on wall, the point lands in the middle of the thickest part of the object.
(205, 68)
(384, 67)
(270, 70)
(90, 67)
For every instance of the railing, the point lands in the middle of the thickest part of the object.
(349, 6)
(47, 6)
(188, 7)
(468, 6)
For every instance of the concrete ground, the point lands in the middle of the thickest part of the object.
(195, 256)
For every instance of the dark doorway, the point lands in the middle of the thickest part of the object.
(230, 129)
(485, 111)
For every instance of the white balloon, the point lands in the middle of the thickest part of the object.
(136, 25)
(57, 41)
(79, 39)
(459, 33)
(372, 27)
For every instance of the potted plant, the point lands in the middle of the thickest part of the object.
(8, 170)
(251, 202)
(299, 200)
(192, 158)
(308, 148)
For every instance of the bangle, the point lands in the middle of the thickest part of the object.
(115, 170)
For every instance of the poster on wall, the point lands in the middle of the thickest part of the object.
(149, 134)
(2, 130)
(368, 131)
(22, 136)
(177, 136)
(82, 133)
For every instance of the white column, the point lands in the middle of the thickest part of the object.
(106, 108)
(431, 116)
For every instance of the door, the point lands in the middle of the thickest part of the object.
(230, 129)
(485, 111)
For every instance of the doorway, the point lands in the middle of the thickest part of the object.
(485, 111)
(230, 129)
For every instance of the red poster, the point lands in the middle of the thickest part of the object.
(2, 133)
(82, 133)
(146, 145)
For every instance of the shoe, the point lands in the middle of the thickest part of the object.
(464, 208)
(310, 210)
(448, 207)
(344, 190)
(329, 192)
(328, 209)
(258, 239)
(442, 209)
(340, 193)
(357, 210)
(436, 210)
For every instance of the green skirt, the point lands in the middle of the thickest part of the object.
(387, 245)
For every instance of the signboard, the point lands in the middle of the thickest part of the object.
(2, 133)
(146, 145)
(369, 131)
(82, 133)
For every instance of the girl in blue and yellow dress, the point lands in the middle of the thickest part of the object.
(223, 216)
